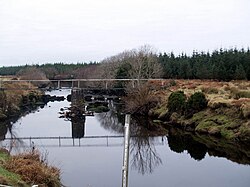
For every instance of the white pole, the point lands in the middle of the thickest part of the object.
(126, 151)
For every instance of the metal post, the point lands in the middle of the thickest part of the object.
(106, 85)
(133, 83)
(78, 85)
(59, 141)
(58, 85)
(126, 152)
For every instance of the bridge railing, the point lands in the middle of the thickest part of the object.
(79, 83)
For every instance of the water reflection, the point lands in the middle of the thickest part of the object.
(78, 127)
(6, 127)
(198, 146)
(143, 154)
(113, 120)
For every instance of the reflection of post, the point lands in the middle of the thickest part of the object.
(126, 152)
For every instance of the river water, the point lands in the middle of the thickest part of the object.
(160, 161)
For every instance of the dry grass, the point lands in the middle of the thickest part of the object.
(140, 100)
(234, 93)
(15, 90)
(33, 169)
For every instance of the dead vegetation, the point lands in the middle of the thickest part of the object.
(33, 169)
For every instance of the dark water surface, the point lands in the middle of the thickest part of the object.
(154, 161)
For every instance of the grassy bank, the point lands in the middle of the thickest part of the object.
(226, 115)
(16, 96)
(27, 169)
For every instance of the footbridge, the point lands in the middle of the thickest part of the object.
(79, 83)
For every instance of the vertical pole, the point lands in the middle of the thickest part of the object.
(58, 84)
(106, 85)
(73, 142)
(59, 141)
(72, 84)
(126, 152)
(78, 85)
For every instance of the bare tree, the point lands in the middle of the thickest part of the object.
(144, 63)
(31, 73)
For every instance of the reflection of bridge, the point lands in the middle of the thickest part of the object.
(58, 141)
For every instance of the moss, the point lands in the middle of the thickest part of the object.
(228, 134)
(198, 116)
(218, 124)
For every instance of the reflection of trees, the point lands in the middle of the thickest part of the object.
(14, 142)
(181, 143)
(199, 145)
(113, 120)
(144, 156)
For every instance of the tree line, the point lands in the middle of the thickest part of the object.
(144, 62)
(226, 65)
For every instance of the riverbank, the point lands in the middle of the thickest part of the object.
(26, 169)
(226, 114)
(15, 97)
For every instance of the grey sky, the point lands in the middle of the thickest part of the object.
(41, 31)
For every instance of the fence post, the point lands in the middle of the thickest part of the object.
(126, 152)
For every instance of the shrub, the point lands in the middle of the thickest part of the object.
(176, 102)
(197, 102)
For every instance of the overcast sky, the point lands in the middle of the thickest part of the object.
(42, 31)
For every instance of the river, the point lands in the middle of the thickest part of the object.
(161, 161)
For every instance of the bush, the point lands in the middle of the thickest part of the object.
(197, 102)
(176, 102)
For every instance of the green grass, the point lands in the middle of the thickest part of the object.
(223, 123)
(10, 178)
(7, 177)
